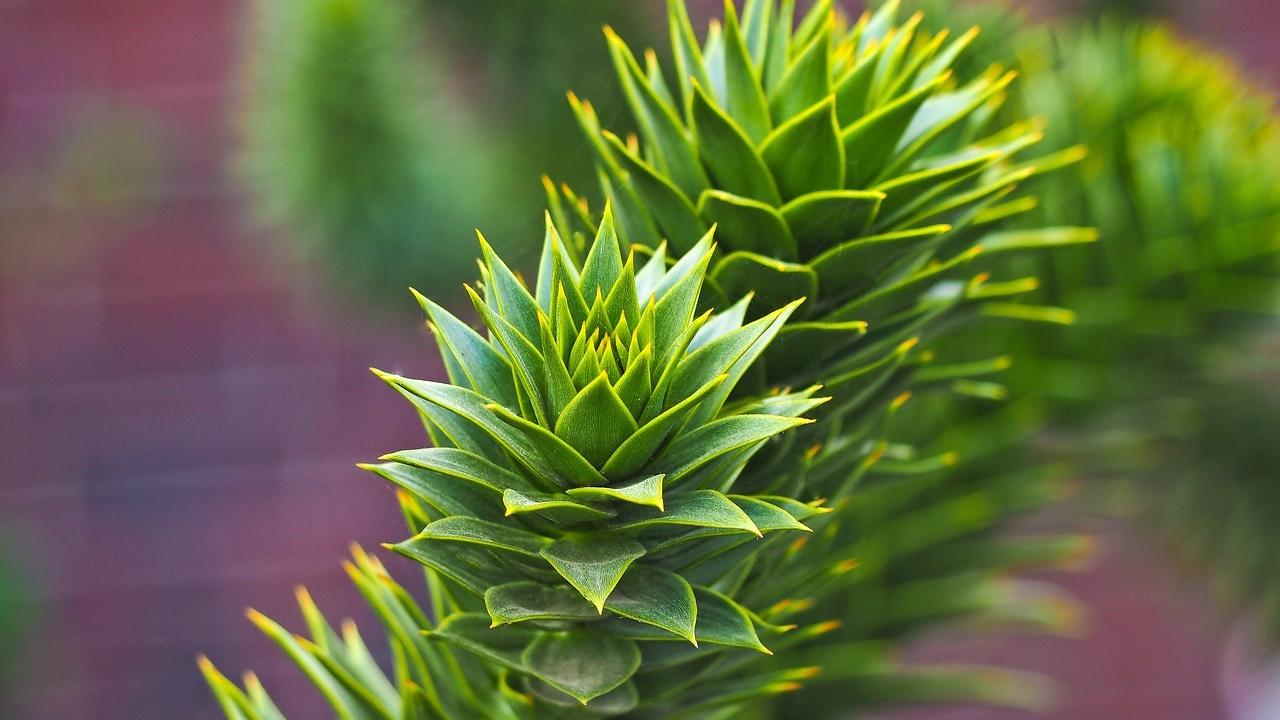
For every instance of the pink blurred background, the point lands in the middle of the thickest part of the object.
(181, 410)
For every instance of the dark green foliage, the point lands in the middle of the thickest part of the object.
(354, 145)
(524, 55)
(19, 616)
(376, 155)
(580, 498)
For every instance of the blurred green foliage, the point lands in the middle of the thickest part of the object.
(377, 159)
(353, 147)
(1170, 377)
(1170, 354)
(529, 53)
(18, 616)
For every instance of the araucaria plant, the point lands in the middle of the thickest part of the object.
(645, 472)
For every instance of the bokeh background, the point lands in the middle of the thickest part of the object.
(182, 402)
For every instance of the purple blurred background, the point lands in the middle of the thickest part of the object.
(181, 410)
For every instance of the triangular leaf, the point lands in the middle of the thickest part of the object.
(556, 506)
(521, 601)
(822, 219)
(566, 462)
(658, 598)
(582, 664)
(805, 153)
(517, 306)
(853, 267)
(869, 143)
(593, 563)
(808, 80)
(776, 283)
(729, 154)
(746, 224)
(485, 369)
(508, 536)
(745, 99)
(635, 453)
(700, 508)
(448, 495)
(646, 491)
(657, 121)
(689, 452)
(669, 207)
(596, 422)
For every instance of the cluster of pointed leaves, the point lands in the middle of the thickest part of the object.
(845, 164)
(578, 513)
